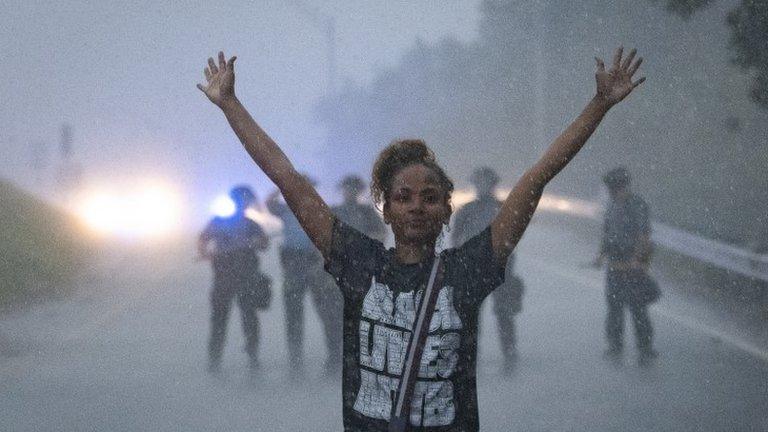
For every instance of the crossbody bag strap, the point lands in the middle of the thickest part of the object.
(398, 421)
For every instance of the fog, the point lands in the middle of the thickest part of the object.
(105, 312)
(123, 76)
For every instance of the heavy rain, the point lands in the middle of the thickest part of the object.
(431, 215)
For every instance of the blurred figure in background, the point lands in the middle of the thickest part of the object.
(508, 297)
(302, 270)
(626, 250)
(330, 303)
(362, 217)
(231, 244)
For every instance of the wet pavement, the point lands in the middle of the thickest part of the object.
(127, 353)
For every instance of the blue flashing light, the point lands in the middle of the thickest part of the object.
(223, 206)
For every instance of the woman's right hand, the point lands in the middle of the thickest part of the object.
(221, 80)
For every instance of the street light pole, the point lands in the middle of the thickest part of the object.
(330, 34)
(540, 110)
(327, 24)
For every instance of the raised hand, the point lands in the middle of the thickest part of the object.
(221, 80)
(616, 83)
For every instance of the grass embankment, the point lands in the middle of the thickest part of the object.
(42, 249)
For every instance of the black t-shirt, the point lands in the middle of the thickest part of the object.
(380, 303)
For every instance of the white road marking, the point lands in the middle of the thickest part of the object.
(690, 323)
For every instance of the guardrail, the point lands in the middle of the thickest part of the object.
(711, 251)
(718, 254)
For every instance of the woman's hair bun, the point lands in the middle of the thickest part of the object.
(398, 155)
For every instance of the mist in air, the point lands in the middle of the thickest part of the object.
(115, 186)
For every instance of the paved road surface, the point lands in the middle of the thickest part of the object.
(128, 354)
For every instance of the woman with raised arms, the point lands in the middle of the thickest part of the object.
(382, 287)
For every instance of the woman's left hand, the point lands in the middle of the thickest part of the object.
(615, 84)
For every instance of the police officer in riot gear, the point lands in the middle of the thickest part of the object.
(231, 244)
(507, 298)
(626, 250)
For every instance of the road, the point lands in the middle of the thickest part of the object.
(127, 353)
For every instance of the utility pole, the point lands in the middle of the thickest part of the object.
(327, 24)
(330, 34)
(70, 172)
(540, 75)
(39, 160)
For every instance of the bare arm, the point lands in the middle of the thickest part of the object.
(202, 245)
(644, 249)
(600, 258)
(273, 204)
(457, 233)
(202, 250)
(311, 211)
(261, 243)
(518, 208)
(259, 240)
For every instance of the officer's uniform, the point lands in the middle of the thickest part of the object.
(302, 270)
(330, 303)
(626, 222)
(507, 298)
(236, 275)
